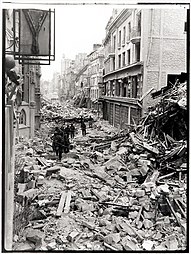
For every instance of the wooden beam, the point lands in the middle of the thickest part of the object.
(61, 204)
(68, 199)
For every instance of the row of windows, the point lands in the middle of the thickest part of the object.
(94, 93)
(124, 59)
(129, 90)
(122, 37)
(93, 69)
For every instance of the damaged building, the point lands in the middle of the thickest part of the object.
(142, 54)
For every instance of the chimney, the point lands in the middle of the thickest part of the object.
(96, 46)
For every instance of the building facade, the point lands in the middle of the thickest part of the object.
(82, 87)
(95, 73)
(29, 110)
(27, 95)
(142, 53)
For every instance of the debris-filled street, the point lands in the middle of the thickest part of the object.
(95, 127)
(115, 190)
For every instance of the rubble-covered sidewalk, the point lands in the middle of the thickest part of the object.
(115, 190)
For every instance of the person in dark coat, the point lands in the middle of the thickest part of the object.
(67, 130)
(63, 130)
(54, 137)
(83, 127)
(59, 145)
(66, 143)
(90, 122)
(72, 131)
(54, 142)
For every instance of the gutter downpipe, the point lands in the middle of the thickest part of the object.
(151, 40)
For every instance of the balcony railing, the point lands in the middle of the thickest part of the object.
(135, 35)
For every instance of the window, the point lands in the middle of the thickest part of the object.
(114, 43)
(139, 21)
(22, 118)
(119, 45)
(128, 57)
(22, 92)
(129, 31)
(134, 86)
(137, 52)
(113, 63)
(124, 34)
(123, 59)
(119, 61)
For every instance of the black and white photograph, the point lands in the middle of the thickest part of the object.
(95, 126)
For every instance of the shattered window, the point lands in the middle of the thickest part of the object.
(22, 119)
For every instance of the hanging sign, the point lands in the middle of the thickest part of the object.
(35, 30)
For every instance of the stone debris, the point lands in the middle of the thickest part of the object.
(114, 191)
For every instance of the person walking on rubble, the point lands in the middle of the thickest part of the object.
(67, 130)
(63, 129)
(72, 131)
(54, 138)
(59, 145)
(66, 143)
(83, 127)
(90, 122)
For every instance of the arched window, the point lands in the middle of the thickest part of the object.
(22, 119)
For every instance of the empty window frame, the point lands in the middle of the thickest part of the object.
(119, 61)
(119, 42)
(124, 35)
(123, 58)
(128, 57)
(22, 118)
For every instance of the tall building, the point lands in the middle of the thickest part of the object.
(95, 73)
(145, 49)
(29, 109)
(27, 95)
(80, 61)
(65, 64)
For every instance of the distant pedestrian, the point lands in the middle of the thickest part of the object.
(54, 138)
(83, 127)
(72, 131)
(54, 143)
(63, 130)
(67, 130)
(66, 144)
(59, 145)
(90, 122)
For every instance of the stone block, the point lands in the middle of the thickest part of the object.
(149, 215)
(129, 244)
(112, 238)
(133, 215)
(88, 224)
(147, 244)
(147, 223)
(24, 246)
(72, 236)
(30, 194)
(140, 193)
(52, 170)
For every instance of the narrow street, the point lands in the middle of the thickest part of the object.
(95, 129)
(105, 194)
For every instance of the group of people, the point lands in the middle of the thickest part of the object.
(61, 141)
(62, 135)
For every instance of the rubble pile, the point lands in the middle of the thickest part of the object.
(169, 116)
(114, 191)
(64, 113)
